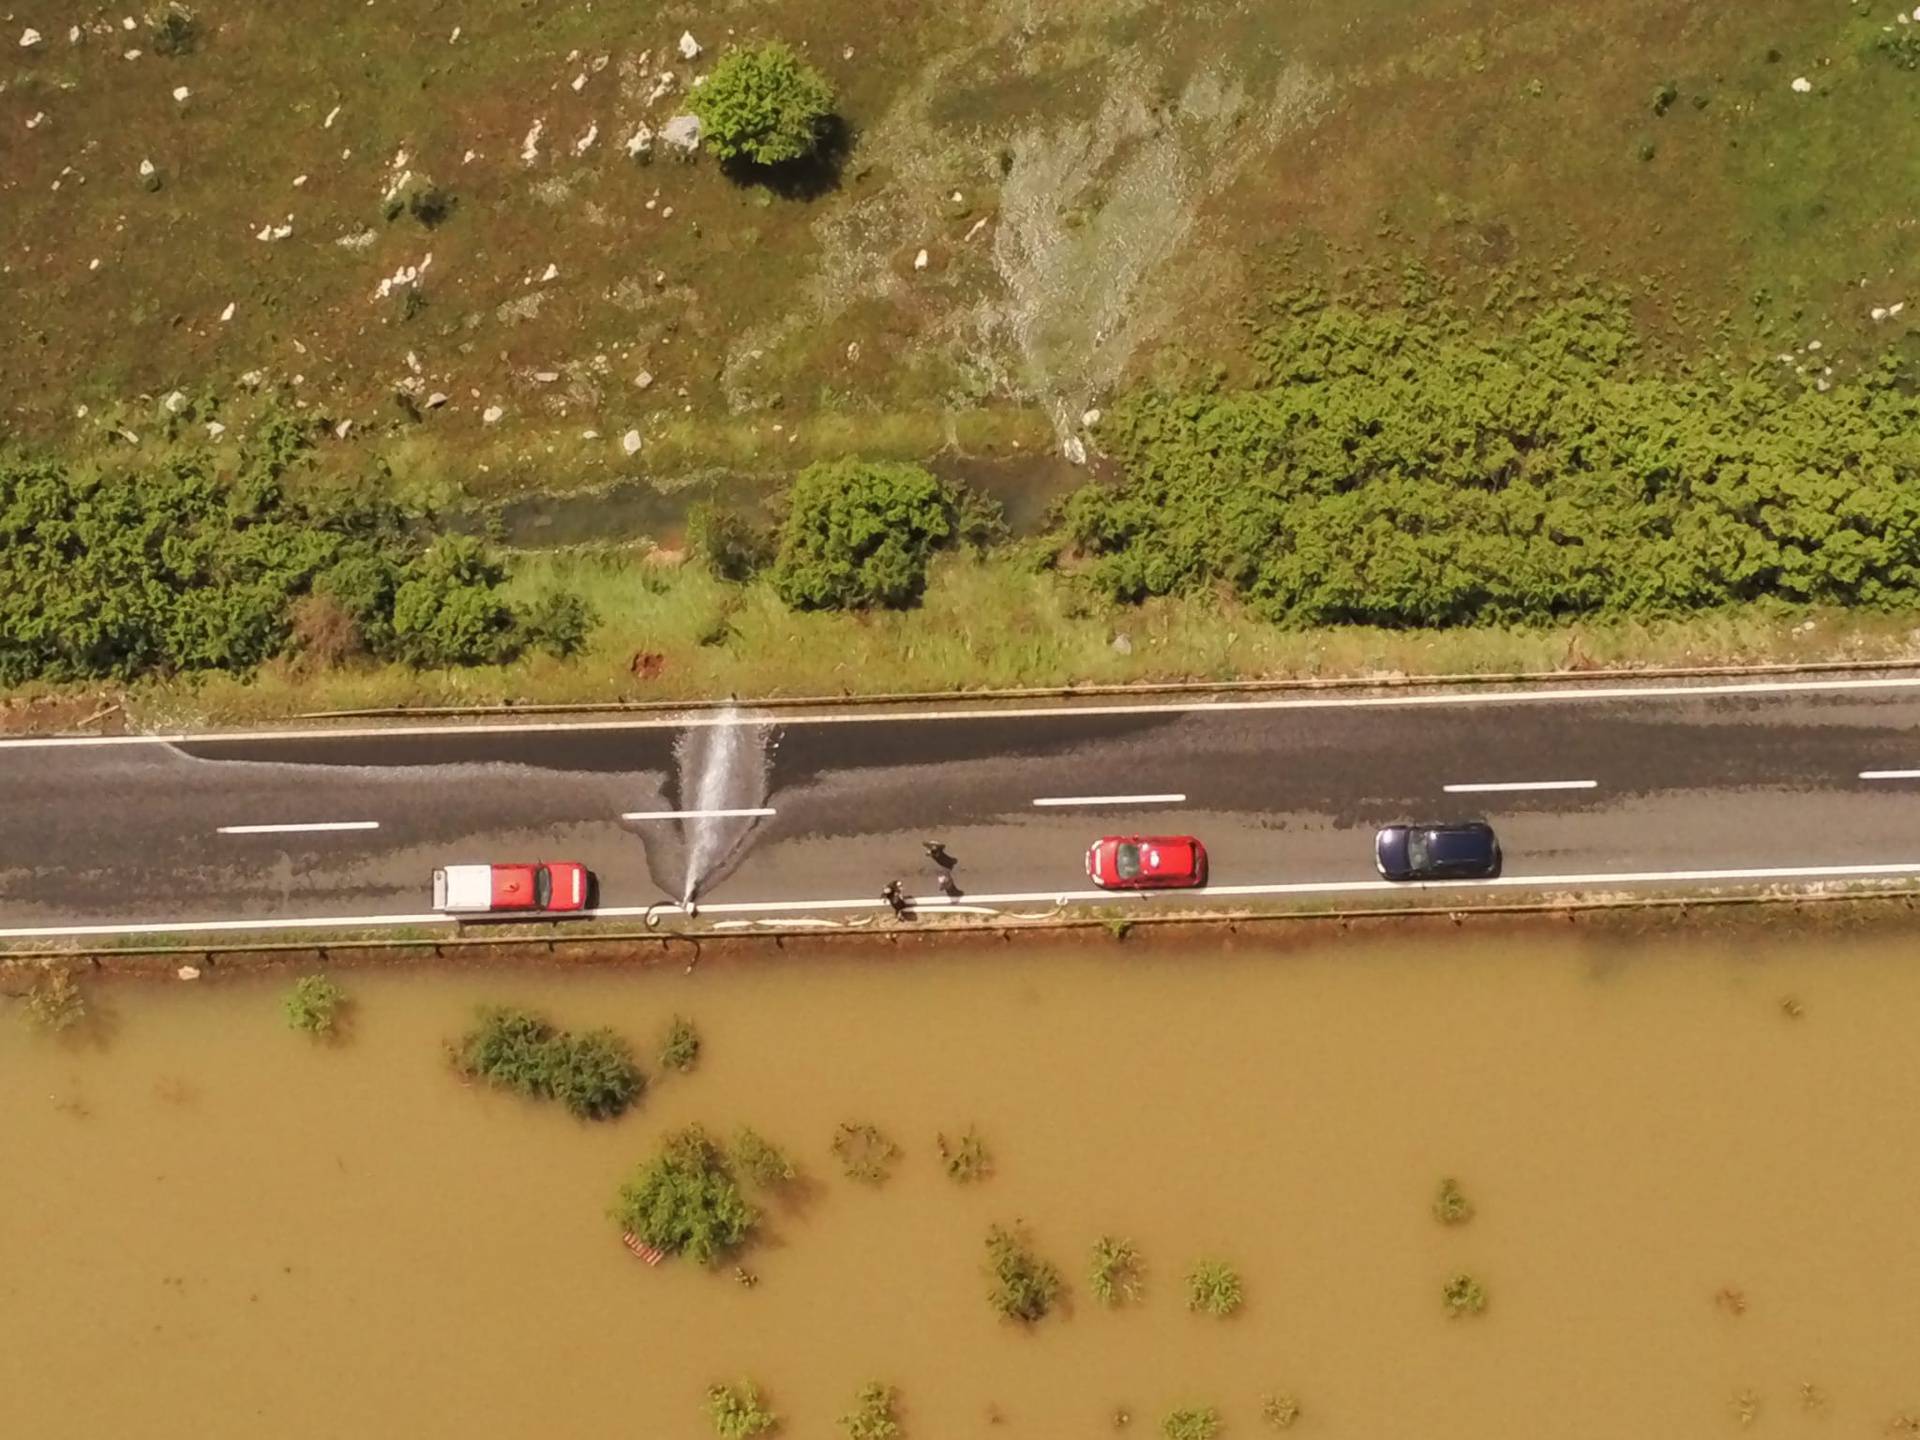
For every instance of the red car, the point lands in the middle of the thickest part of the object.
(495, 889)
(1147, 862)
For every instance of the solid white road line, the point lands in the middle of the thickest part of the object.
(1598, 880)
(985, 711)
(296, 829)
(1890, 774)
(694, 814)
(1110, 800)
(1497, 785)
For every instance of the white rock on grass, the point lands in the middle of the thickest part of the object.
(640, 143)
(29, 38)
(175, 402)
(681, 133)
(332, 115)
(215, 429)
(227, 314)
(491, 415)
(551, 273)
(182, 94)
(1879, 312)
(921, 261)
(689, 47)
(530, 147)
(579, 82)
(585, 142)
(1801, 85)
(643, 381)
(630, 442)
(1090, 418)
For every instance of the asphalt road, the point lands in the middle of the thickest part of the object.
(1648, 782)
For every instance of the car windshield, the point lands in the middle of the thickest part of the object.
(542, 887)
(1419, 849)
(1126, 861)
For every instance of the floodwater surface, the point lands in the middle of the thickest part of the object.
(1692, 1197)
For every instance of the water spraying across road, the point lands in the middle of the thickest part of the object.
(724, 770)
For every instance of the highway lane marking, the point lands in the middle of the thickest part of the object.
(771, 719)
(298, 829)
(1490, 786)
(696, 814)
(1034, 897)
(1058, 800)
(1890, 774)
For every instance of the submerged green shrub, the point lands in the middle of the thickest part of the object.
(1117, 1272)
(313, 1005)
(686, 1201)
(872, 1416)
(592, 1074)
(737, 1411)
(1024, 1285)
(1464, 1295)
(681, 1049)
(761, 1161)
(54, 999)
(1194, 1423)
(1213, 1288)
(1450, 1206)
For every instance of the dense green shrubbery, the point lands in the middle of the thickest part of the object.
(859, 533)
(1025, 1286)
(686, 1201)
(314, 1005)
(592, 1074)
(764, 105)
(175, 565)
(1412, 467)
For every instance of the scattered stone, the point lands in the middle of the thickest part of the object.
(1813, 344)
(436, 400)
(579, 82)
(853, 350)
(1123, 644)
(661, 85)
(215, 429)
(36, 120)
(640, 143)
(546, 377)
(1896, 309)
(126, 22)
(1090, 418)
(643, 380)
(667, 214)
(492, 414)
(552, 272)
(182, 93)
(94, 264)
(585, 142)
(1879, 312)
(359, 241)
(681, 134)
(131, 55)
(253, 379)
(1075, 449)
(298, 181)
(342, 430)
(29, 38)
(689, 47)
(454, 36)
(188, 972)
(630, 442)
(530, 147)
(149, 175)
(175, 402)
(977, 226)
(589, 434)
(1801, 85)
(847, 53)
(921, 260)
(226, 315)
(332, 115)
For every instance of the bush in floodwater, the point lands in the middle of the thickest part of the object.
(1464, 1295)
(738, 1412)
(1024, 1285)
(1213, 1288)
(1198, 1422)
(54, 1001)
(863, 1152)
(314, 1005)
(759, 1160)
(1450, 1207)
(966, 1159)
(872, 1416)
(1117, 1272)
(1280, 1411)
(592, 1074)
(685, 1200)
(681, 1050)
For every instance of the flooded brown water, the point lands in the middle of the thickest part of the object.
(211, 1227)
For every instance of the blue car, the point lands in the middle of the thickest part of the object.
(1462, 850)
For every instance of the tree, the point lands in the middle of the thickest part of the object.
(731, 546)
(681, 1049)
(593, 1074)
(558, 622)
(859, 534)
(1024, 1285)
(1117, 1271)
(448, 610)
(313, 1005)
(685, 1200)
(763, 105)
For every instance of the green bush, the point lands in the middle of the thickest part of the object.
(1450, 1207)
(872, 1416)
(1117, 1272)
(1193, 1423)
(737, 1411)
(54, 1000)
(764, 105)
(558, 622)
(685, 1200)
(1213, 1288)
(1024, 1286)
(860, 533)
(1420, 465)
(314, 1005)
(1464, 1295)
(731, 546)
(592, 1074)
(681, 1049)
(759, 1160)
(448, 610)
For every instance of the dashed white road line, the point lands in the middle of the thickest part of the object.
(697, 814)
(1063, 800)
(1490, 786)
(767, 719)
(1890, 774)
(316, 825)
(1598, 880)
